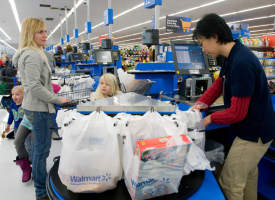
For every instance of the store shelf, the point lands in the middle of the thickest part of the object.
(270, 77)
(261, 48)
(266, 58)
(269, 65)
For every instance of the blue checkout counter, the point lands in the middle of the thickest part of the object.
(209, 189)
(162, 74)
(196, 186)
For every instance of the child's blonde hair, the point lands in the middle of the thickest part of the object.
(112, 81)
(18, 88)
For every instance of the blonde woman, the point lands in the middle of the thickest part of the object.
(107, 87)
(39, 98)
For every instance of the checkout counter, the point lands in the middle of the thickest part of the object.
(197, 185)
(190, 67)
(103, 61)
(186, 75)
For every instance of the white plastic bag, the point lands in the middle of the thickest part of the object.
(196, 160)
(160, 173)
(90, 159)
(192, 118)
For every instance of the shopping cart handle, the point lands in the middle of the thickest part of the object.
(69, 104)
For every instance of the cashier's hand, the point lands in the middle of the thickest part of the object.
(64, 100)
(207, 121)
(199, 106)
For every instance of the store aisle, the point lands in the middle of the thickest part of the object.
(11, 187)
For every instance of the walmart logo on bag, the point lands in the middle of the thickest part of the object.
(95, 179)
(143, 183)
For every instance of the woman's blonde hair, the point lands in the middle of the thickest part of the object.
(30, 26)
(112, 81)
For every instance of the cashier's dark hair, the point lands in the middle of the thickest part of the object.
(212, 25)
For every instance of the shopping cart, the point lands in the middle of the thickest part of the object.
(80, 95)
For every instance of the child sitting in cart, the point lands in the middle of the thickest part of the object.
(107, 87)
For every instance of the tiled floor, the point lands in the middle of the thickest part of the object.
(11, 187)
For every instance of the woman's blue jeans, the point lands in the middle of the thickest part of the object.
(40, 149)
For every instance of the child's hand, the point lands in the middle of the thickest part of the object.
(7, 129)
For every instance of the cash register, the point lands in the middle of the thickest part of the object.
(105, 58)
(192, 64)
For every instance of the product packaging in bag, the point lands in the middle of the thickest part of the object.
(161, 161)
(154, 154)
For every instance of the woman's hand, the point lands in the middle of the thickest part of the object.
(64, 100)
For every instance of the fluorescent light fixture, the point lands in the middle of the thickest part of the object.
(136, 25)
(247, 10)
(149, 21)
(241, 11)
(129, 10)
(251, 19)
(119, 15)
(163, 17)
(15, 13)
(67, 16)
(182, 38)
(127, 36)
(7, 36)
(261, 30)
(8, 45)
(261, 34)
(261, 26)
(128, 40)
(195, 8)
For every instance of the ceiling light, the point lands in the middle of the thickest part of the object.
(197, 7)
(252, 19)
(129, 10)
(255, 34)
(119, 15)
(7, 36)
(260, 26)
(248, 10)
(67, 16)
(15, 13)
(2, 41)
(128, 40)
(149, 21)
(163, 17)
(127, 36)
(261, 30)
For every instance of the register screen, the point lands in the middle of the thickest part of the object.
(104, 57)
(189, 57)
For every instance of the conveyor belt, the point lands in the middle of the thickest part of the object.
(57, 191)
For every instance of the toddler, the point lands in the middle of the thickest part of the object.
(16, 111)
(107, 87)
